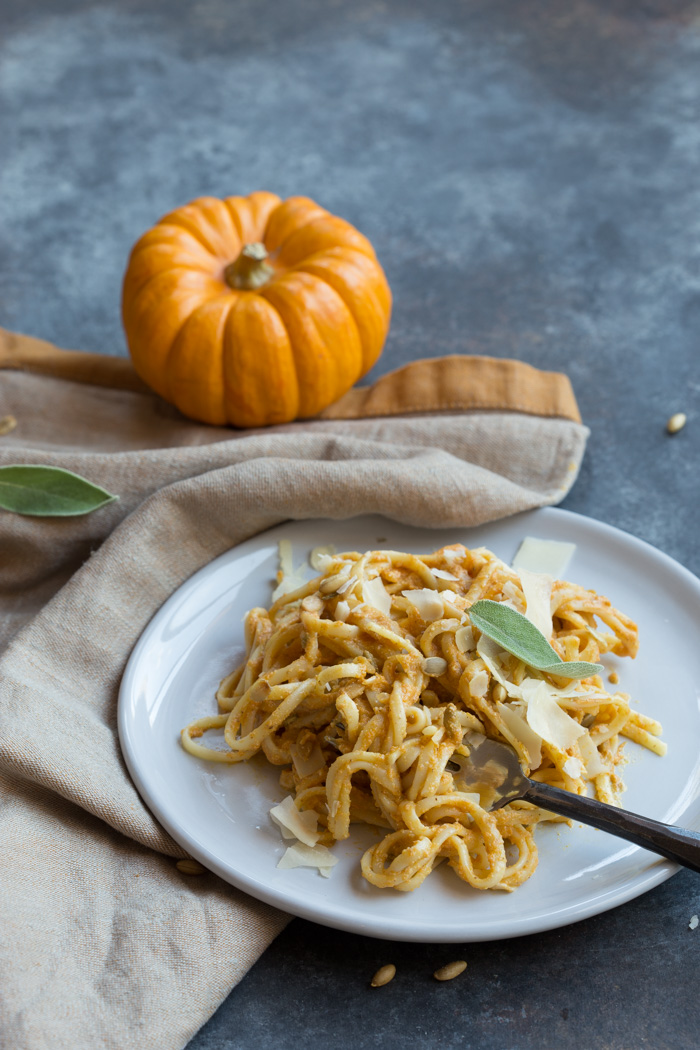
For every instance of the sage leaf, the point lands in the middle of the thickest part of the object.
(514, 633)
(48, 492)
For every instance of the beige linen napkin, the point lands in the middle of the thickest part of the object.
(103, 943)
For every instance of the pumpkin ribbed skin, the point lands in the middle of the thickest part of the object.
(270, 354)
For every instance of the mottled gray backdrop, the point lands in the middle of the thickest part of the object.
(529, 173)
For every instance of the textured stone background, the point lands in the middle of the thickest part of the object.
(529, 172)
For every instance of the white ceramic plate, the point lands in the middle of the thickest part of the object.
(220, 813)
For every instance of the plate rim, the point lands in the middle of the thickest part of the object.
(657, 872)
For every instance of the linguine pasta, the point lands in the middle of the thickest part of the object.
(363, 683)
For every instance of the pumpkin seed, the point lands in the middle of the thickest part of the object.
(190, 867)
(464, 639)
(435, 666)
(383, 975)
(450, 971)
(676, 422)
(7, 423)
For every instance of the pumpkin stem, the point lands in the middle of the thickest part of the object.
(249, 270)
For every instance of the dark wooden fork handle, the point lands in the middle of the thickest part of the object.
(675, 843)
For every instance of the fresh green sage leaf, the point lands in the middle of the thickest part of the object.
(49, 492)
(518, 636)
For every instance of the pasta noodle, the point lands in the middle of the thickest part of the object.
(363, 683)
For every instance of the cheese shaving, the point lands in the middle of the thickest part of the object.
(573, 767)
(292, 578)
(350, 582)
(300, 825)
(426, 602)
(302, 856)
(374, 593)
(517, 725)
(479, 684)
(306, 766)
(550, 557)
(286, 559)
(537, 588)
(464, 639)
(342, 611)
(510, 590)
(548, 720)
(321, 558)
(442, 575)
(591, 757)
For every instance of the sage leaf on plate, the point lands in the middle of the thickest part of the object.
(514, 632)
(49, 492)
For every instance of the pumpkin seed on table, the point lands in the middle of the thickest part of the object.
(190, 867)
(676, 422)
(7, 424)
(450, 971)
(383, 975)
(341, 302)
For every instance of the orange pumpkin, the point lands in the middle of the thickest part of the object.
(253, 310)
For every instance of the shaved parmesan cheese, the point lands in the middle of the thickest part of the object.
(516, 724)
(464, 639)
(342, 611)
(301, 856)
(537, 588)
(350, 582)
(449, 603)
(544, 556)
(292, 578)
(510, 590)
(321, 557)
(591, 756)
(286, 585)
(306, 766)
(573, 767)
(374, 593)
(300, 825)
(442, 575)
(548, 720)
(286, 560)
(479, 684)
(427, 603)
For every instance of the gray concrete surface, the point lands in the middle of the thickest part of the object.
(529, 172)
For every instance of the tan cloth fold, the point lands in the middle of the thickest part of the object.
(102, 941)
